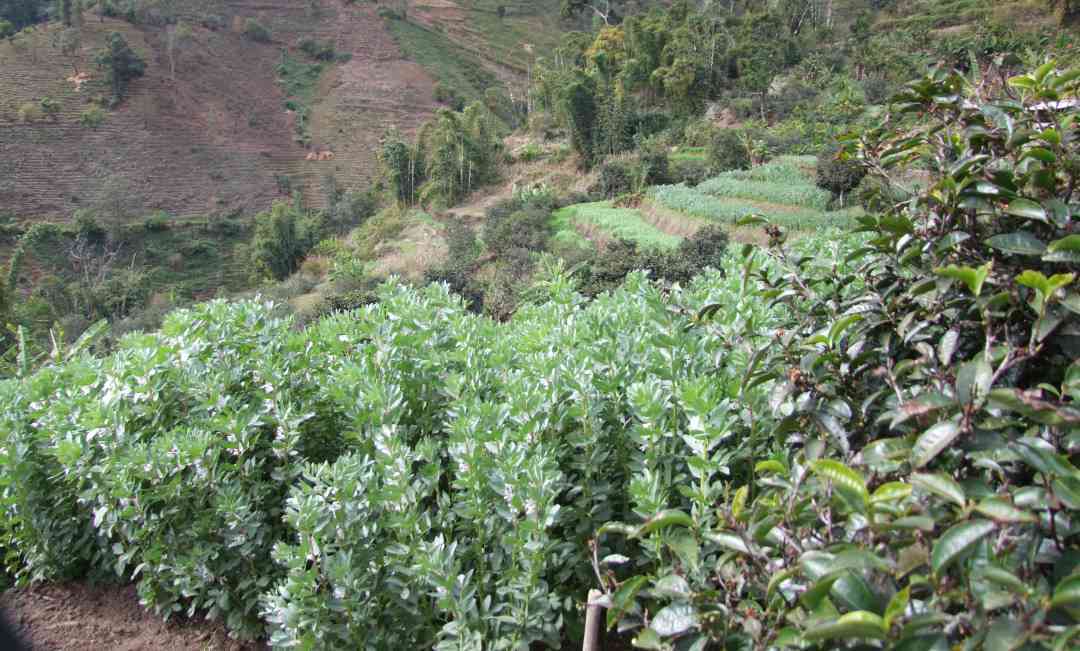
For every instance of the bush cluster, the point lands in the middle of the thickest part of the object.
(908, 478)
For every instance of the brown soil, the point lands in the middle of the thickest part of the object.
(216, 138)
(76, 616)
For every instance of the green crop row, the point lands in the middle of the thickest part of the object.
(791, 194)
(620, 223)
(725, 210)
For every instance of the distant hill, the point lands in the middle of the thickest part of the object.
(217, 137)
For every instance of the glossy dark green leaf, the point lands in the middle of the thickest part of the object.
(852, 626)
(623, 599)
(931, 442)
(1027, 209)
(847, 481)
(728, 541)
(1067, 593)
(1066, 249)
(664, 520)
(973, 382)
(957, 540)
(674, 620)
(940, 485)
(896, 607)
(999, 510)
(1001, 577)
(1019, 243)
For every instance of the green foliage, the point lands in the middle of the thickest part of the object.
(906, 477)
(321, 51)
(577, 102)
(619, 223)
(462, 152)
(92, 117)
(838, 173)
(18, 14)
(299, 80)
(777, 182)
(460, 484)
(256, 31)
(403, 168)
(680, 263)
(121, 65)
(728, 151)
(693, 201)
(282, 238)
(616, 178)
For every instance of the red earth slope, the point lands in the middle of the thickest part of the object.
(215, 140)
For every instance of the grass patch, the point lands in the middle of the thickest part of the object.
(450, 64)
(299, 80)
(620, 223)
(697, 154)
(524, 21)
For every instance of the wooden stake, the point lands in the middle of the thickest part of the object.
(594, 617)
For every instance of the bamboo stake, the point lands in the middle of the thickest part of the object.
(594, 615)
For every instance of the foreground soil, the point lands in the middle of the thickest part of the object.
(79, 616)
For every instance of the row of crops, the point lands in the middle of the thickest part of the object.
(620, 223)
(782, 191)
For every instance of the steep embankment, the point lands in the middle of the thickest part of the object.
(214, 139)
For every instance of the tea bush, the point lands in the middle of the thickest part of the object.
(908, 479)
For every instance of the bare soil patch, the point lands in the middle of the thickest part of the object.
(82, 617)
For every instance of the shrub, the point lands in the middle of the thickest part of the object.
(616, 177)
(213, 22)
(877, 90)
(460, 266)
(156, 223)
(30, 112)
(92, 117)
(655, 168)
(839, 173)
(450, 96)
(256, 31)
(320, 51)
(49, 106)
(689, 172)
(728, 151)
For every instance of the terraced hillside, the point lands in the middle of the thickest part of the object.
(217, 138)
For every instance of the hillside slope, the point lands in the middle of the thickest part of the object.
(217, 139)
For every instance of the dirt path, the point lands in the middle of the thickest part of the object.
(75, 616)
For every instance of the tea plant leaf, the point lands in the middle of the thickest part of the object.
(623, 599)
(931, 442)
(973, 382)
(973, 278)
(847, 481)
(1027, 209)
(999, 510)
(852, 626)
(1067, 593)
(664, 520)
(1019, 243)
(940, 485)
(897, 605)
(728, 541)
(674, 619)
(957, 540)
